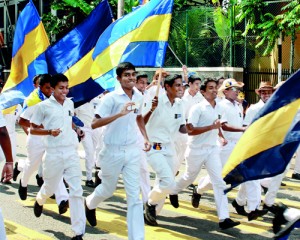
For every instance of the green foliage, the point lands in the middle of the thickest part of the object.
(267, 26)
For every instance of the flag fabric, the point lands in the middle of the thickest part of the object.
(35, 97)
(72, 55)
(267, 146)
(28, 57)
(139, 37)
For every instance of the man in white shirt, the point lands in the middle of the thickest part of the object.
(61, 159)
(120, 113)
(165, 117)
(204, 127)
(232, 126)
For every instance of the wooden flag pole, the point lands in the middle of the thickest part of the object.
(158, 82)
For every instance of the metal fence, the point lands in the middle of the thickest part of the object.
(253, 77)
(196, 42)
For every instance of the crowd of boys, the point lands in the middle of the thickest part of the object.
(137, 126)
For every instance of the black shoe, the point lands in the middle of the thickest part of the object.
(239, 209)
(150, 214)
(77, 237)
(22, 191)
(228, 223)
(279, 219)
(97, 179)
(265, 189)
(66, 184)
(16, 172)
(38, 209)
(63, 206)
(296, 176)
(256, 213)
(39, 180)
(149, 223)
(90, 183)
(191, 186)
(285, 232)
(90, 215)
(283, 184)
(53, 196)
(195, 198)
(273, 209)
(174, 200)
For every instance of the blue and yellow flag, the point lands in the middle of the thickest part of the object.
(139, 37)
(28, 58)
(269, 143)
(72, 55)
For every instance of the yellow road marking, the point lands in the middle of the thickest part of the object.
(15, 231)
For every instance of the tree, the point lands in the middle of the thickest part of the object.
(268, 26)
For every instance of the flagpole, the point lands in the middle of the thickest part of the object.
(175, 55)
(120, 8)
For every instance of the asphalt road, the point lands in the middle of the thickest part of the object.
(182, 223)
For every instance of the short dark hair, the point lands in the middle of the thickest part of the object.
(141, 75)
(44, 78)
(205, 82)
(58, 78)
(171, 79)
(193, 77)
(220, 78)
(123, 67)
(36, 78)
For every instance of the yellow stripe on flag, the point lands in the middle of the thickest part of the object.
(154, 28)
(261, 135)
(35, 43)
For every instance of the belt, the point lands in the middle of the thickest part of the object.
(157, 146)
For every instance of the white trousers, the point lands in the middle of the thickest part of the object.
(210, 157)
(64, 162)
(249, 193)
(2, 227)
(273, 187)
(89, 143)
(36, 150)
(145, 177)
(126, 160)
(180, 146)
(162, 162)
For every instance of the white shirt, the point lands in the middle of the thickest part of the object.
(122, 131)
(232, 114)
(165, 120)
(201, 115)
(252, 111)
(11, 119)
(53, 115)
(86, 113)
(28, 112)
(2, 120)
(189, 101)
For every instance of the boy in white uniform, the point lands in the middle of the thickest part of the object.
(86, 113)
(7, 170)
(232, 126)
(141, 83)
(203, 127)
(165, 117)
(61, 159)
(35, 144)
(120, 112)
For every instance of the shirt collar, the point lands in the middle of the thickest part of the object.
(120, 91)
